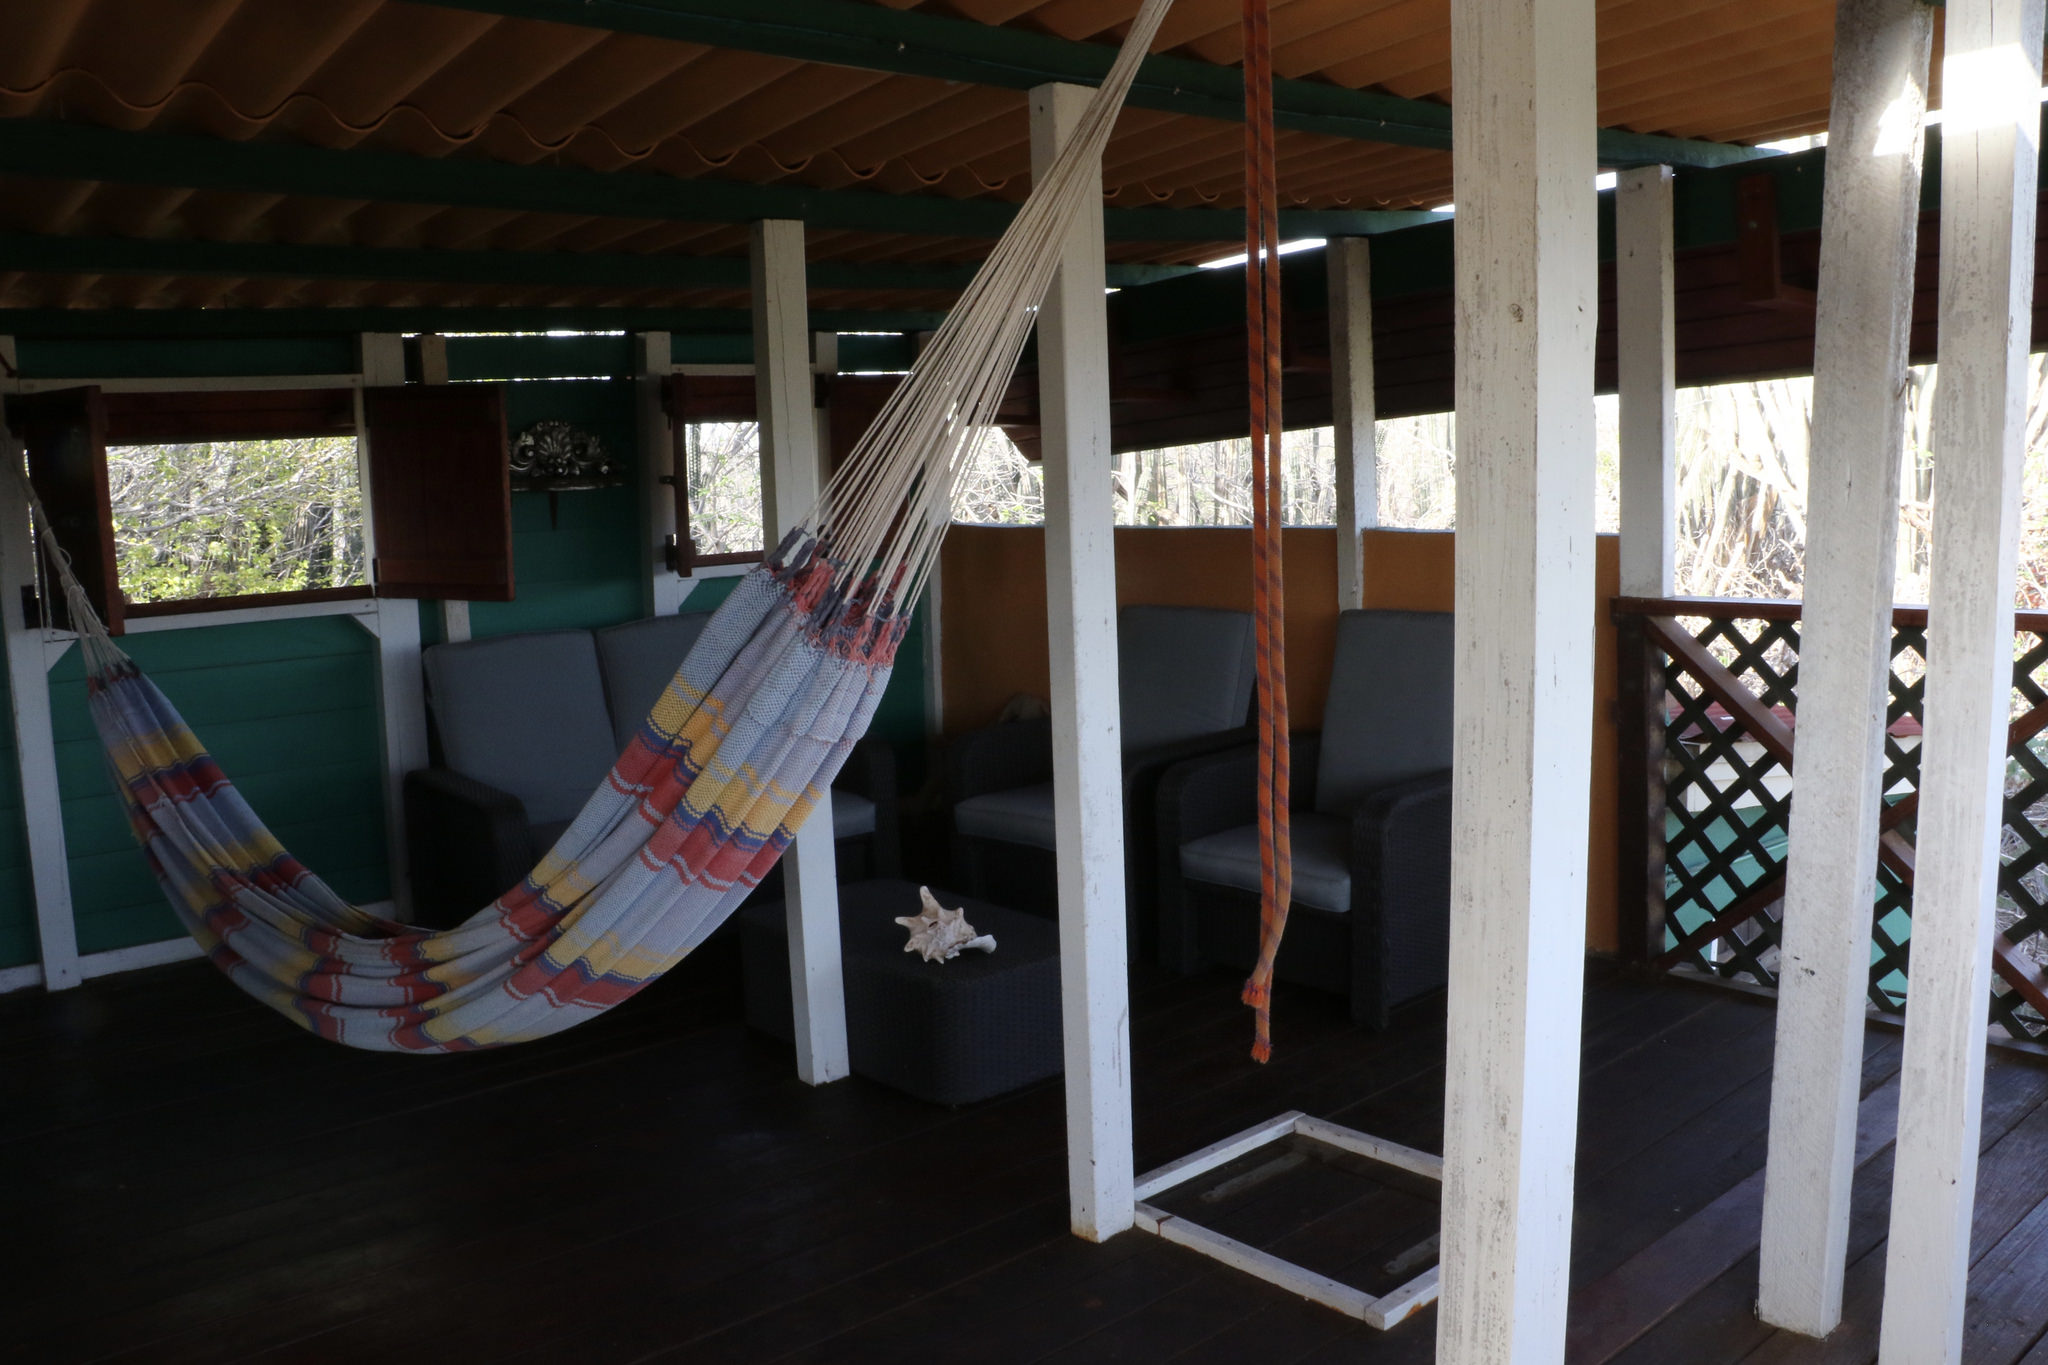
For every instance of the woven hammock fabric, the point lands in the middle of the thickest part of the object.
(716, 782)
(741, 746)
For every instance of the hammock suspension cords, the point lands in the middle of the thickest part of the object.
(1262, 362)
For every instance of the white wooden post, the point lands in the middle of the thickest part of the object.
(1991, 76)
(1646, 366)
(1353, 409)
(789, 485)
(401, 687)
(1080, 579)
(665, 589)
(35, 747)
(1869, 219)
(1526, 282)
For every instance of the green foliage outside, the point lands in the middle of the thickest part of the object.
(227, 518)
(725, 486)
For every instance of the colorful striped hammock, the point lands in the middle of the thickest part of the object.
(717, 781)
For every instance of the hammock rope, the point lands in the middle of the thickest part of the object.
(744, 741)
(1269, 595)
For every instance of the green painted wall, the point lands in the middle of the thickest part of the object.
(576, 563)
(17, 898)
(288, 709)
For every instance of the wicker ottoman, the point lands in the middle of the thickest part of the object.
(948, 1032)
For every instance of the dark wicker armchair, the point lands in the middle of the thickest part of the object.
(1185, 681)
(1371, 817)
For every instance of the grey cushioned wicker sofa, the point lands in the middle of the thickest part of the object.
(527, 726)
(1185, 685)
(1371, 815)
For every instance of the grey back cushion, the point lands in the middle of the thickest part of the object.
(638, 660)
(1184, 672)
(1389, 713)
(524, 713)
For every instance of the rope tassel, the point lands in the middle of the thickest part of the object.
(1262, 365)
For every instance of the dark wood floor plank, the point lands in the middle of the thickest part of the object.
(212, 1185)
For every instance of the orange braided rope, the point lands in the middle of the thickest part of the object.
(1262, 355)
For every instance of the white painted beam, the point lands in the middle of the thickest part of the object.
(1080, 577)
(789, 486)
(1526, 285)
(1991, 73)
(402, 715)
(664, 589)
(1353, 409)
(1647, 369)
(1869, 221)
(35, 746)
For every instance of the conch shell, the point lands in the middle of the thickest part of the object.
(941, 934)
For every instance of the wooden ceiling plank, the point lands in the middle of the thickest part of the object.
(505, 63)
(619, 69)
(396, 51)
(296, 40)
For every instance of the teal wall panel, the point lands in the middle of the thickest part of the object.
(288, 709)
(575, 556)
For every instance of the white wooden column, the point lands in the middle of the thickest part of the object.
(664, 588)
(1080, 579)
(1353, 409)
(1991, 76)
(1646, 366)
(1869, 219)
(401, 687)
(1526, 281)
(35, 747)
(789, 485)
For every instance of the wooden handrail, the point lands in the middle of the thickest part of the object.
(1717, 682)
(1759, 609)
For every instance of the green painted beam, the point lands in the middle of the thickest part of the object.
(877, 38)
(266, 260)
(56, 150)
(315, 322)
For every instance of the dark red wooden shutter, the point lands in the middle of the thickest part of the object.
(66, 435)
(440, 491)
(137, 419)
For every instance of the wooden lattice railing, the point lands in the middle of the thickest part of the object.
(1709, 705)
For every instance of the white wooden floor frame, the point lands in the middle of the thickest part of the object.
(1382, 1312)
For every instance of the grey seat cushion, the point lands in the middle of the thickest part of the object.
(638, 659)
(1322, 870)
(1183, 672)
(1021, 815)
(1388, 717)
(524, 713)
(852, 814)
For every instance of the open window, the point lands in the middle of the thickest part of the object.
(222, 499)
(717, 445)
(717, 480)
